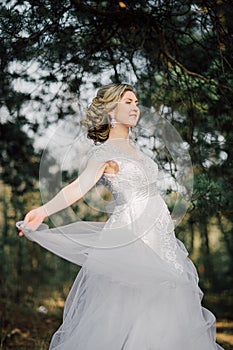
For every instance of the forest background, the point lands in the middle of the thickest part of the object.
(53, 56)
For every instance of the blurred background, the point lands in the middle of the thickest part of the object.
(53, 57)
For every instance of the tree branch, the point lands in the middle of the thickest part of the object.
(194, 74)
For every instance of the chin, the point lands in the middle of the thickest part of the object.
(131, 124)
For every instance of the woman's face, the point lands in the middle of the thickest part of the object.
(127, 111)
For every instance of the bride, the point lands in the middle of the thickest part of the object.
(137, 288)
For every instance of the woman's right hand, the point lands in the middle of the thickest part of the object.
(33, 219)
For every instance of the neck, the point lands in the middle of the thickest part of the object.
(119, 132)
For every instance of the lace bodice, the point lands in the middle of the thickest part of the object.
(137, 173)
(136, 200)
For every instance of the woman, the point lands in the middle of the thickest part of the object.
(137, 289)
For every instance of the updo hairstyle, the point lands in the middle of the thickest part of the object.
(97, 119)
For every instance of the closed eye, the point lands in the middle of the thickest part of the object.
(129, 101)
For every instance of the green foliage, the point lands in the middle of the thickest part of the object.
(19, 162)
(179, 57)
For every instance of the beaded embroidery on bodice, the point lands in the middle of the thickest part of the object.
(135, 173)
(131, 186)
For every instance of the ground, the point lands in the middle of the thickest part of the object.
(24, 328)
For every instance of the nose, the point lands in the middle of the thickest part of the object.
(135, 107)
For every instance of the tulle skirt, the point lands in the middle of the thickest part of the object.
(126, 296)
(101, 314)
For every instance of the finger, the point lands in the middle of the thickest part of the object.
(21, 234)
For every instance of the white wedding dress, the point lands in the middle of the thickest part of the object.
(137, 288)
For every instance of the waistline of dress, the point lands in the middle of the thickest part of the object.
(130, 196)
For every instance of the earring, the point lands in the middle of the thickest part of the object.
(113, 121)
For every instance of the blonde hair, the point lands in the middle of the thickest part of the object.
(97, 119)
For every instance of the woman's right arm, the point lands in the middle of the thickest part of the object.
(68, 195)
